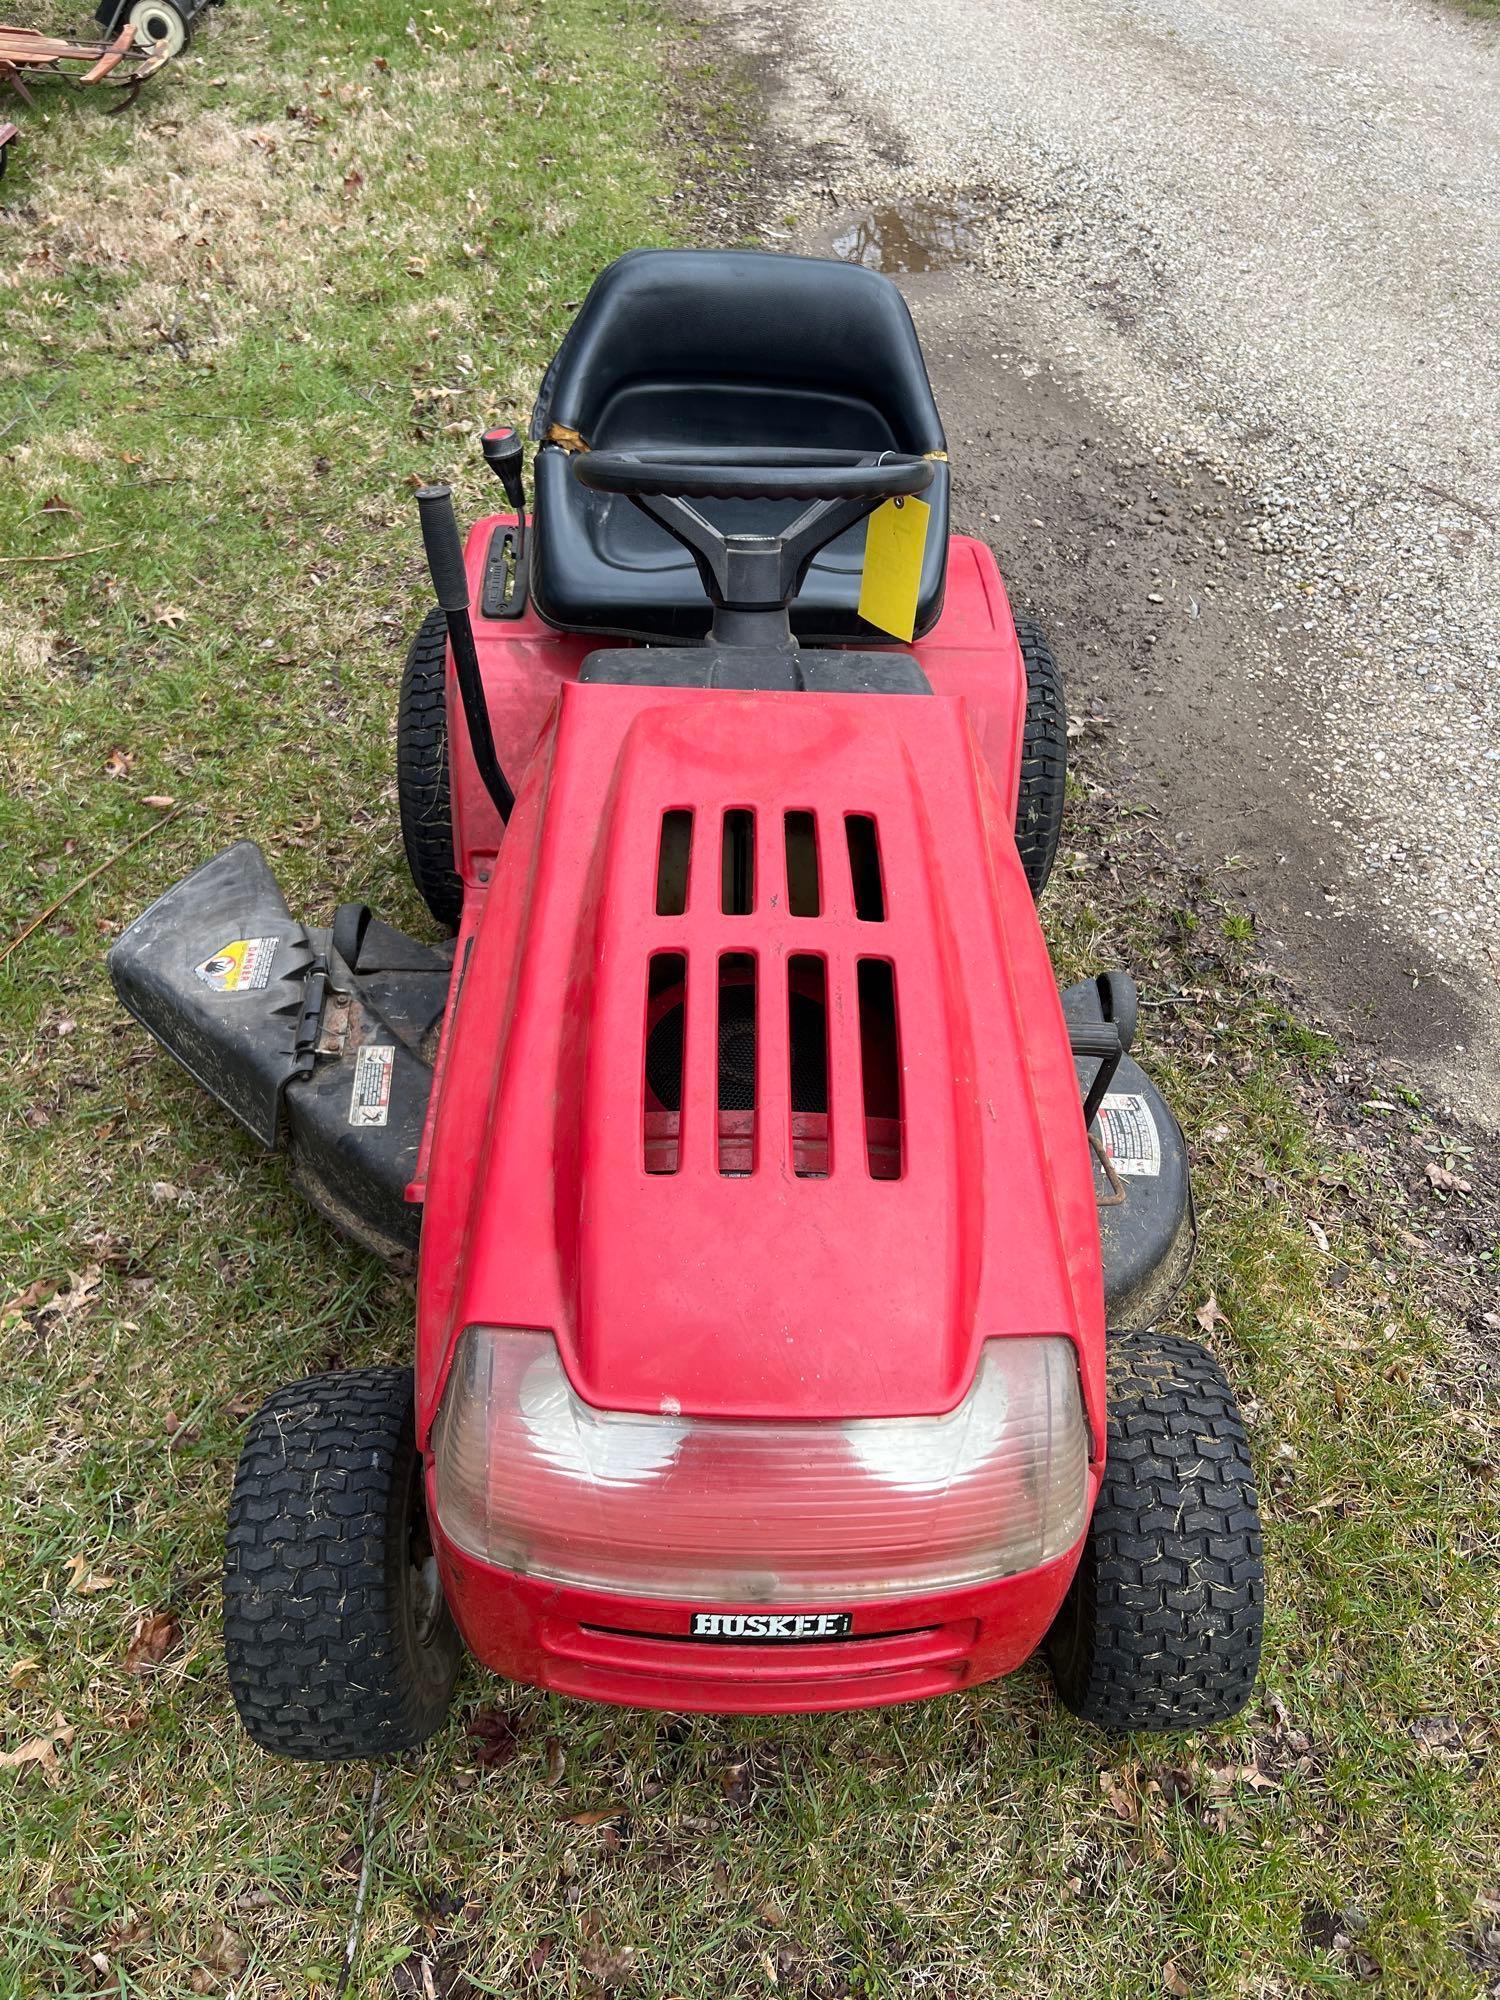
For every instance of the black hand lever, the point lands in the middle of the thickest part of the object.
(1098, 1041)
(505, 456)
(445, 560)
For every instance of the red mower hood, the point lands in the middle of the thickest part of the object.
(778, 1146)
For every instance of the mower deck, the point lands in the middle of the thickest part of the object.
(338, 1061)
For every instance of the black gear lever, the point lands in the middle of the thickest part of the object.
(505, 456)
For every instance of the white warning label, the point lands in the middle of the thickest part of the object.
(1129, 1135)
(370, 1100)
(241, 966)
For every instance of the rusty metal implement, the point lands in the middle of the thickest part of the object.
(28, 52)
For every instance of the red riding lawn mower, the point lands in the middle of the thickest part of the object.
(768, 1202)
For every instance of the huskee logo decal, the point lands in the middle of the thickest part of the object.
(770, 1628)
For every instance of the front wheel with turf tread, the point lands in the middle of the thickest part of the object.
(1044, 758)
(336, 1636)
(422, 779)
(1161, 1627)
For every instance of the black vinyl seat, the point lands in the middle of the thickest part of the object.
(710, 348)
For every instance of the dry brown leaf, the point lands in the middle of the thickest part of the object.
(118, 762)
(1438, 1736)
(81, 1582)
(22, 1670)
(42, 1750)
(557, 1760)
(156, 1634)
(496, 1735)
(1210, 1314)
(229, 1955)
(1224, 1777)
(170, 615)
(81, 1285)
(1121, 1802)
(1173, 1980)
(600, 1817)
(1448, 1182)
(610, 1968)
(27, 1301)
(159, 801)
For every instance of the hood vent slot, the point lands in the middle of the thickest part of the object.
(880, 1067)
(673, 854)
(666, 1019)
(738, 896)
(737, 1058)
(803, 891)
(807, 1051)
(864, 868)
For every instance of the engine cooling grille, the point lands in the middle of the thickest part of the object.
(795, 889)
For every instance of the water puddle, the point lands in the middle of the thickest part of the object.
(927, 233)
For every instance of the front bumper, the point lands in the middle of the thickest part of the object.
(639, 1652)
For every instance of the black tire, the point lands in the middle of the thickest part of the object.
(1044, 758)
(1161, 1628)
(422, 772)
(336, 1635)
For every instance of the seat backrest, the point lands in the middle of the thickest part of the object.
(739, 346)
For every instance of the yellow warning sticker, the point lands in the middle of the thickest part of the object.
(894, 544)
(241, 966)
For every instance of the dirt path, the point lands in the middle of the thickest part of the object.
(1210, 297)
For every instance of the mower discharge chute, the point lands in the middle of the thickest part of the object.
(772, 1201)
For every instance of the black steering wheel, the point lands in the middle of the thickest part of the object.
(751, 578)
(754, 472)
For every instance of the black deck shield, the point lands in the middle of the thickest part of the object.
(1147, 1230)
(216, 969)
(275, 1024)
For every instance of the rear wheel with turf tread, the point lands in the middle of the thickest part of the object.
(1044, 758)
(422, 781)
(1161, 1627)
(336, 1635)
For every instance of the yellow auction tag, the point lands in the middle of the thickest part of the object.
(894, 542)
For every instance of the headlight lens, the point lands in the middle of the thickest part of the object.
(532, 1478)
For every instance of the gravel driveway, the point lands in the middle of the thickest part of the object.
(1261, 243)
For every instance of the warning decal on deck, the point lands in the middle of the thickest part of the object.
(370, 1100)
(1129, 1133)
(241, 966)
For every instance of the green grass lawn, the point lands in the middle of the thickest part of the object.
(239, 322)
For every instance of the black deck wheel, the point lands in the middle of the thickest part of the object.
(337, 1637)
(1161, 1627)
(160, 24)
(1044, 758)
(422, 787)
